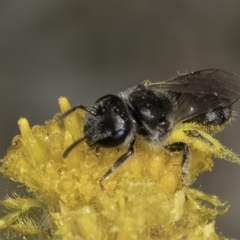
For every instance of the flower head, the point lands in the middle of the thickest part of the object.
(143, 199)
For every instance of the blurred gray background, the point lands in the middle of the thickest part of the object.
(85, 49)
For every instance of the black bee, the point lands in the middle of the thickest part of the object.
(154, 109)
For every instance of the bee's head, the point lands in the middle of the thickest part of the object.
(109, 124)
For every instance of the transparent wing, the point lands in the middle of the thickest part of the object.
(201, 91)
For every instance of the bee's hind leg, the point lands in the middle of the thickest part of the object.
(181, 146)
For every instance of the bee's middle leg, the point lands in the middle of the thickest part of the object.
(181, 146)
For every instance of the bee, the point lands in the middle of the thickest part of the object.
(154, 109)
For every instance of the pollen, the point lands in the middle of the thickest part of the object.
(142, 199)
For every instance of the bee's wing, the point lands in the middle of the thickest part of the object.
(210, 81)
(201, 91)
(189, 106)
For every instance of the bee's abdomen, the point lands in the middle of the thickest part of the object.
(214, 117)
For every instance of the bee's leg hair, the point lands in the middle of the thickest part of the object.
(180, 146)
(118, 162)
(196, 134)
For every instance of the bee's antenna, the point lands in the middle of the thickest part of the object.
(91, 111)
(72, 146)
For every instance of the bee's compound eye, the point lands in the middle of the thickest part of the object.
(119, 134)
(115, 139)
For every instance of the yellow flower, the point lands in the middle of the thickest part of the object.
(143, 199)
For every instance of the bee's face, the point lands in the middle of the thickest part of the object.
(110, 125)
